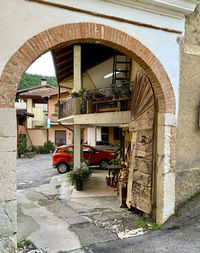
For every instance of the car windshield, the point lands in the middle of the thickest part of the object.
(57, 150)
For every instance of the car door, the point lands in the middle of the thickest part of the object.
(88, 154)
(68, 154)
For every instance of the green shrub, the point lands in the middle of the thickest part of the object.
(22, 145)
(47, 148)
(43, 150)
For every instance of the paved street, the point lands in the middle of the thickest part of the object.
(32, 172)
(58, 219)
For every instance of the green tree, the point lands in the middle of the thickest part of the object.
(30, 80)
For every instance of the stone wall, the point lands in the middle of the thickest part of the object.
(8, 204)
(188, 130)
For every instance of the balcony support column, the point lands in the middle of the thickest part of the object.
(29, 108)
(77, 146)
(77, 68)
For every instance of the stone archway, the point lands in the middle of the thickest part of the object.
(108, 36)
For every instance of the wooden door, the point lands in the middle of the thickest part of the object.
(142, 125)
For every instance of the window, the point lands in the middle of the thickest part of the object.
(57, 150)
(60, 137)
(87, 150)
(105, 133)
(68, 150)
(116, 133)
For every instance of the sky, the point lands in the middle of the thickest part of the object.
(43, 66)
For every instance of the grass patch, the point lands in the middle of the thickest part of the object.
(141, 223)
(144, 224)
(155, 226)
(20, 245)
(23, 244)
(27, 243)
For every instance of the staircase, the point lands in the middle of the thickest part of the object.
(121, 70)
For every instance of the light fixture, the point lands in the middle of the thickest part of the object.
(110, 74)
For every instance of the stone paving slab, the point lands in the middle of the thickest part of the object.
(77, 220)
(89, 234)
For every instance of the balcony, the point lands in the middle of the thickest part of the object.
(109, 99)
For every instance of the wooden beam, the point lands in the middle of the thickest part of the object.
(65, 74)
(58, 56)
(66, 67)
(65, 61)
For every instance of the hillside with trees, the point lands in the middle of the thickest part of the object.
(30, 80)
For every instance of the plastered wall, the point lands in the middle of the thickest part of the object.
(27, 24)
(188, 130)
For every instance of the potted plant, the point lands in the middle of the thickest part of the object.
(74, 94)
(78, 177)
(81, 92)
(116, 92)
(98, 95)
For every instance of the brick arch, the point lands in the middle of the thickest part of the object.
(91, 33)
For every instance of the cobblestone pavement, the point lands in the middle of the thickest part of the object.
(32, 172)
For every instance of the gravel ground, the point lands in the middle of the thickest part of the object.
(33, 172)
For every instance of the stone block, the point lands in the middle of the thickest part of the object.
(8, 144)
(8, 122)
(164, 148)
(170, 119)
(166, 119)
(8, 218)
(166, 197)
(169, 195)
(7, 176)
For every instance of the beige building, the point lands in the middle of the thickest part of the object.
(161, 38)
(41, 101)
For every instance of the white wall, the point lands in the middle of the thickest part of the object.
(98, 133)
(19, 21)
(91, 136)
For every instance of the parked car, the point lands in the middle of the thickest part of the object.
(106, 145)
(63, 157)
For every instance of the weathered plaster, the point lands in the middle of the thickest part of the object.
(188, 130)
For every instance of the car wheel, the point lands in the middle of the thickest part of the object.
(62, 168)
(104, 164)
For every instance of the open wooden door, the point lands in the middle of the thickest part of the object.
(142, 125)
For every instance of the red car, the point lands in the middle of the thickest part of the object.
(63, 157)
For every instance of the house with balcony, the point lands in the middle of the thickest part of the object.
(99, 105)
(39, 103)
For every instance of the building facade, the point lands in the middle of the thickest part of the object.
(41, 101)
(151, 33)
